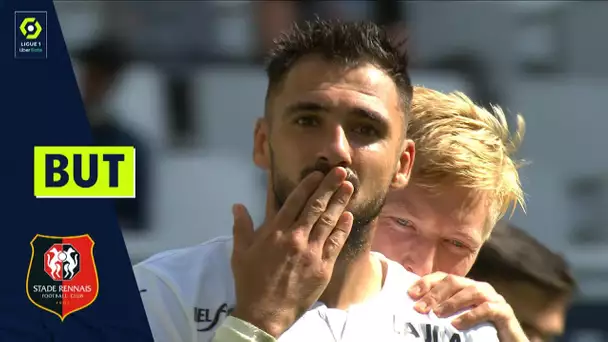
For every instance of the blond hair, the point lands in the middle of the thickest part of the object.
(461, 144)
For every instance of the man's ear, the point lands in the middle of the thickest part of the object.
(405, 165)
(261, 148)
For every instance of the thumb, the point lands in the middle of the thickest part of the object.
(242, 229)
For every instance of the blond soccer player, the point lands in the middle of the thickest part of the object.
(464, 179)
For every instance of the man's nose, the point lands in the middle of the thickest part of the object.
(336, 147)
(421, 258)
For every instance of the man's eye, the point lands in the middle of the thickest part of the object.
(307, 121)
(403, 222)
(457, 244)
(366, 130)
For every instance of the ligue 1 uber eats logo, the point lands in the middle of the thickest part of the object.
(31, 35)
(30, 28)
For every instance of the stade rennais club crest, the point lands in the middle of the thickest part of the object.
(62, 277)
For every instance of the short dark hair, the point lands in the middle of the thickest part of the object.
(348, 43)
(511, 254)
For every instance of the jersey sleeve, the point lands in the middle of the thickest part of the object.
(167, 317)
(236, 330)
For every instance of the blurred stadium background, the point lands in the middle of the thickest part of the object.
(192, 85)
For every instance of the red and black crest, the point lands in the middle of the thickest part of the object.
(62, 277)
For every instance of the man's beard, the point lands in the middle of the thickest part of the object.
(363, 215)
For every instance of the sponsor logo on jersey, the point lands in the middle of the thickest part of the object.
(207, 319)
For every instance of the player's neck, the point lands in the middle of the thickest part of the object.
(354, 280)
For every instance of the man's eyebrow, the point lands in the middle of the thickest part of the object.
(364, 113)
(370, 115)
(468, 238)
(305, 106)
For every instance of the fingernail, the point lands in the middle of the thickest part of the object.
(414, 291)
(438, 311)
(237, 210)
(456, 323)
(421, 306)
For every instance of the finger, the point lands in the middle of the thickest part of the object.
(328, 220)
(337, 238)
(317, 203)
(425, 284)
(467, 298)
(486, 312)
(242, 229)
(297, 199)
(271, 199)
(439, 293)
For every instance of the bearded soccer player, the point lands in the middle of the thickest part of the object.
(333, 141)
(464, 180)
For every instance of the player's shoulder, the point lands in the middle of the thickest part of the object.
(199, 255)
(187, 291)
(185, 269)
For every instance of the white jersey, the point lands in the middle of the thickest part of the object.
(188, 292)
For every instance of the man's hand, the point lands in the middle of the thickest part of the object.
(447, 295)
(281, 269)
